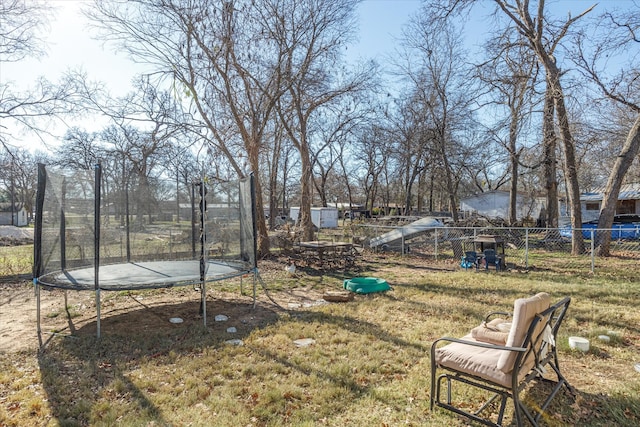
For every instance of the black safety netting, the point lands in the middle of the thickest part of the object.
(98, 230)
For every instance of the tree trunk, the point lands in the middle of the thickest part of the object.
(549, 160)
(449, 183)
(305, 189)
(514, 157)
(611, 192)
(273, 185)
(571, 169)
(261, 224)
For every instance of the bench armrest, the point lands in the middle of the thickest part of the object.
(506, 314)
(474, 344)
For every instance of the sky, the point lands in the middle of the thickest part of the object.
(70, 46)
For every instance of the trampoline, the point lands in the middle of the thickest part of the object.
(114, 233)
(141, 275)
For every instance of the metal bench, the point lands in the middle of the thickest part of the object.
(529, 353)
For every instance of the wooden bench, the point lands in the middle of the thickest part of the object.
(325, 254)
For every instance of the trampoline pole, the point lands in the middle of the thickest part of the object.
(127, 221)
(96, 243)
(37, 242)
(255, 281)
(204, 302)
(203, 252)
(193, 220)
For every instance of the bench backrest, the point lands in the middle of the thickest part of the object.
(524, 313)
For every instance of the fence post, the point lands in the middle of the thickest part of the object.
(436, 243)
(526, 248)
(593, 252)
(402, 240)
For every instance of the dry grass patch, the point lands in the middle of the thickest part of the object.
(15, 260)
(368, 363)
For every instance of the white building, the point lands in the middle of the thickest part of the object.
(20, 218)
(321, 217)
(591, 203)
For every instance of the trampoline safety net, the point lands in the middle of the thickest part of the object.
(96, 231)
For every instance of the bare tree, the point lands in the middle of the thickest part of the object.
(510, 74)
(79, 150)
(18, 174)
(412, 143)
(544, 36)
(371, 150)
(333, 130)
(620, 36)
(313, 33)
(281, 160)
(22, 24)
(441, 81)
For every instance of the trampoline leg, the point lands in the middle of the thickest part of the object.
(98, 313)
(35, 281)
(203, 303)
(255, 282)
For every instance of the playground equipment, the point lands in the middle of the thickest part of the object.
(99, 233)
(394, 238)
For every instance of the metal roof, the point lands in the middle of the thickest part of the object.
(627, 192)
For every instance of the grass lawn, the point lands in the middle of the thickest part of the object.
(368, 364)
(15, 260)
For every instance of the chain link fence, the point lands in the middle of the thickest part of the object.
(524, 248)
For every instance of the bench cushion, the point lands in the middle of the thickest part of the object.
(478, 361)
(524, 311)
(494, 332)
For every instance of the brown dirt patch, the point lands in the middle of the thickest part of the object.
(17, 316)
(73, 312)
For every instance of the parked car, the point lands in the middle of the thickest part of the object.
(624, 227)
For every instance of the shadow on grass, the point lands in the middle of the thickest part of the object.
(89, 381)
(84, 376)
(357, 326)
(584, 408)
(575, 408)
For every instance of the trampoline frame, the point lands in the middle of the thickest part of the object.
(233, 269)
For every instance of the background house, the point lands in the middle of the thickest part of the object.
(591, 202)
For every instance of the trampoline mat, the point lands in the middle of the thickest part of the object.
(142, 275)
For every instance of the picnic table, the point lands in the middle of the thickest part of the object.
(496, 243)
(326, 254)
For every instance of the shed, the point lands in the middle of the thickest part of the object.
(324, 217)
(20, 218)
